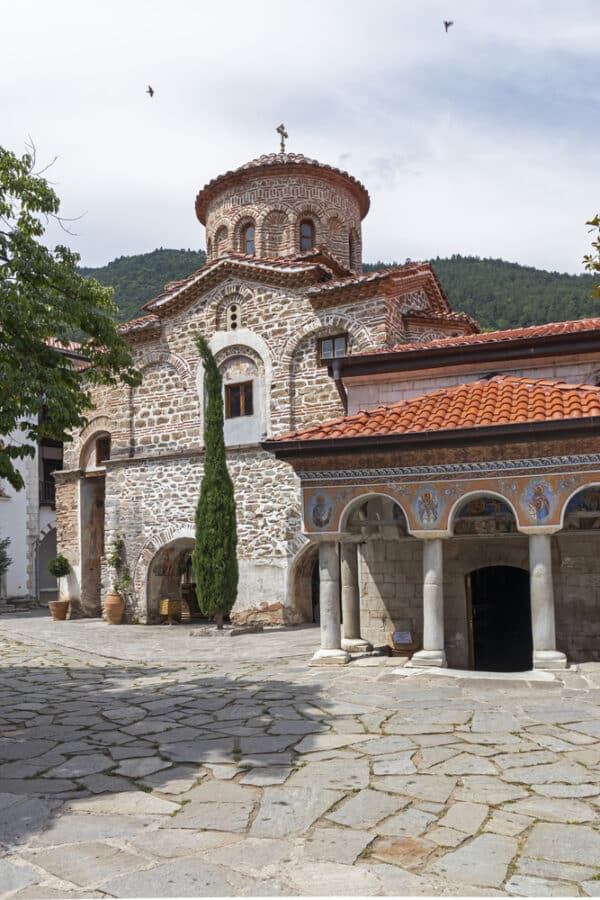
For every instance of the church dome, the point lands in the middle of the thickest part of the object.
(281, 204)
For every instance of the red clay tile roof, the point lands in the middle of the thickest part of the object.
(283, 264)
(139, 324)
(510, 334)
(501, 400)
(64, 346)
(277, 161)
(397, 282)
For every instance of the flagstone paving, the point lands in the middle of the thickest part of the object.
(163, 762)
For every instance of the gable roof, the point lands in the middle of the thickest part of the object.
(497, 401)
(292, 271)
(395, 282)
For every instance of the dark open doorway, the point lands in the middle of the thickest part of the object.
(499, 616)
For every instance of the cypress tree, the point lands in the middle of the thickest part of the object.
(214, 557)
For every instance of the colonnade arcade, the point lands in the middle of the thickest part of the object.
(484, 562)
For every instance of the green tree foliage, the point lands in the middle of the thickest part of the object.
(498, 294)
(44, 303)
(592, 260)
(137, 279)
(215, 552)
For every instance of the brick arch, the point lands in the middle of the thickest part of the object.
(329, 322)
(225, 297)
(100, 425)
(249, 217)
(354, 249)
(315, 214)
(337, 238)
(275, 232)
(94, 426)
(165, 357)
(220, 238)
(147, 553)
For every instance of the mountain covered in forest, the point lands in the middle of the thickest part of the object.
(498, 294)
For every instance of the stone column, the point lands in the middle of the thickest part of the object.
(541, 588)
(433, 652)
(331, 652)
(352, 640)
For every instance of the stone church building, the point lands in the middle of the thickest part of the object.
(460, 478)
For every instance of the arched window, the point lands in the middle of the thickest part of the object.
(351, 250)
(248, 239)
(307, 234)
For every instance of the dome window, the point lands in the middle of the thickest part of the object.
(248, 239)
(307, 235)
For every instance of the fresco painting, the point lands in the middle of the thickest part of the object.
(538, 500)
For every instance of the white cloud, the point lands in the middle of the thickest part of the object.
(481, 141)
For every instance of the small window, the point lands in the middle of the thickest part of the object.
(233, 317)
(239, 400)
(102, 450)
(248, 240)
(332, 348)
(307, 235)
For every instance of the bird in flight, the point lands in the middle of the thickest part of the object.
(447, 25)
(150, 90)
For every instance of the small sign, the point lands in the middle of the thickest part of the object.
(402, 637)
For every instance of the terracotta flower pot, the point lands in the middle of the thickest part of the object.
(114, 609)
(58, 609)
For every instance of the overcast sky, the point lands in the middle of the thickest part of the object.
(484, 141)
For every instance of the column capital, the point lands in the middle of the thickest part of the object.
(430, 535)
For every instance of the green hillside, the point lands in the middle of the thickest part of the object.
(137, 279)
(499, 294)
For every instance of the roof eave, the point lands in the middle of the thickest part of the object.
(530, 431)
(459, 354)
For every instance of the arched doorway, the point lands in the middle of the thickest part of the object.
(499, 619)
(305, 584)
(171, 576)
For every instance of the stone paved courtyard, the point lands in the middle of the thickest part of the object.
(170, 762)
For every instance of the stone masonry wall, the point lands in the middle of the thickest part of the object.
(276, 204)
(390, 577)
(576, 575)
(152, 487)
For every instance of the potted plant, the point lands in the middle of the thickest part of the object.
(114, 608)
(60, 568)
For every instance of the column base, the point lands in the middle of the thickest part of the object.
(330, 658)
(549, 659)
(423, 659)
(356, 645)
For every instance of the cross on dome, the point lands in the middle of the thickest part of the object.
(283, 135)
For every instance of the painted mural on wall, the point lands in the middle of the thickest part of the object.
(583, 510)
(428, 507)
(321, 510)
(485, 515)
(538, 501)
(587, 500)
